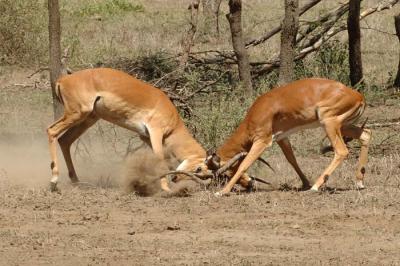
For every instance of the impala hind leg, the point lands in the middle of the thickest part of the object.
(53, 132)
(285, 146)
(68, 138)
(364, 136)
(333, 132)
(256, 150)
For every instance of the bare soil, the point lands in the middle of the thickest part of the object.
(89, 225)
(99, 223)
(102, 226)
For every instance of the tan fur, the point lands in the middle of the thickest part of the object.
(117, 97)
(284, 110)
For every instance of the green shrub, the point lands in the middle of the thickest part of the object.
(331, 61)
(23, 31)
(215, 118)
(107, 8)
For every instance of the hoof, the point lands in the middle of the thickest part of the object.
(220, 194)
(53, 187)
(251, 187)
(74, 180)
(314, 189)
(360, 185)
(305, 187)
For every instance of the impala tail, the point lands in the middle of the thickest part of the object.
(58, 93)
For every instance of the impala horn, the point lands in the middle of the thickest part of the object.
(237, 157)
(266, 163)
(260, 180)
(231, 162)
(200, 179)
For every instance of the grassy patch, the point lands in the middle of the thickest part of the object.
(23, 31)
(107, 8)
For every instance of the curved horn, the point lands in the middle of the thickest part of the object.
(233, 160)
(260, 180)
(261, 159)
(365, 122)
(197, 178)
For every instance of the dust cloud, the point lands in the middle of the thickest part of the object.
(142, 171)
(26, 162)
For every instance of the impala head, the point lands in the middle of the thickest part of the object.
(194, 166)
(213, 161)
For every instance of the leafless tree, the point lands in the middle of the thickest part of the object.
(307, 6)
(211, 10)
(397, 26)
(188, 39)
(290, 26)
(235, 22)
(55, 65)
(353, 29)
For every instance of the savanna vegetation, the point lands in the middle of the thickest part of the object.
(185, 48)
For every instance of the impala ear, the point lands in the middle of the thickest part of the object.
(213, 161)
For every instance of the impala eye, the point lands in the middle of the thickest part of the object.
(198, 170)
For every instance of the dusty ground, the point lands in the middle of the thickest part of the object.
(102, 225)
(83, 226)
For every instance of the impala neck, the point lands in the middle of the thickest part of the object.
(182, 144)
(239, 141)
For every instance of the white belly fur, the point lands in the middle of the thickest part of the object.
(277, 136)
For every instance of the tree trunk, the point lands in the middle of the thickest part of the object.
(211, 15)
(188, 40)
(353, 29)
(55, 52)
(235, 23)
(397, 26)
(290, 26)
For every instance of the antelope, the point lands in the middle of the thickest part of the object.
(275, 115)
(112, 95)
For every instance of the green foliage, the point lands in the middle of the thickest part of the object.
(107, 8)
(376, 94)
(331, 62)
(23, 34)
(213, 121)
(155, 65)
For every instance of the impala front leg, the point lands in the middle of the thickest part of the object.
(156, 139)
(256, 150)
(286, 147)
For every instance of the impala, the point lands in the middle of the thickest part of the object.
(117, 97)
(307, 103)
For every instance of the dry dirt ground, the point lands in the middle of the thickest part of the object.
(89, 226)
(276, 225)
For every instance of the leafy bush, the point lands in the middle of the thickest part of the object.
(23, 34)
(107, 8)
(331, 61)
(213, 121)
